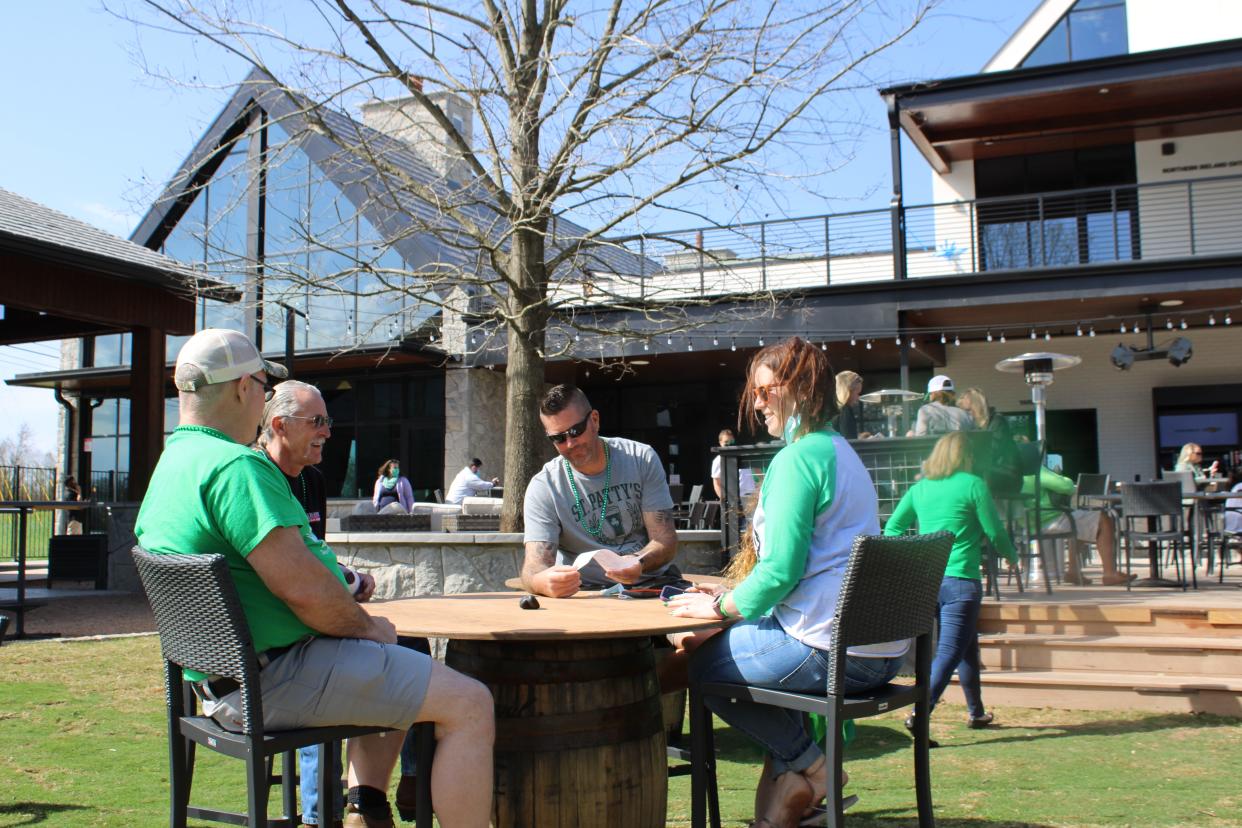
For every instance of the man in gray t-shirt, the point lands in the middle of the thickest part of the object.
(599, 493)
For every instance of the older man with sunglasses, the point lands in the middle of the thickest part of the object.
(598, 493)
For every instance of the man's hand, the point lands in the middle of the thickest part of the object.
(557, 581)
(382, 630)
(629, 573)
(366, 588)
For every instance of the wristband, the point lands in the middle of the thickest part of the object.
(724, 613)
(718, 607)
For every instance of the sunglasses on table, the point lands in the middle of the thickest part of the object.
(318, 421)
(762, 391)
(573, 431)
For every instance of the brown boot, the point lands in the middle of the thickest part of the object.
(356, 819)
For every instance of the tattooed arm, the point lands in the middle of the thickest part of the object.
(542, 576)
(660, 548)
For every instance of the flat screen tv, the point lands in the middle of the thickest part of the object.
(1207, 428)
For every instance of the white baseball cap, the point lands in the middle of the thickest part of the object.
(221, 355)
(940, 382)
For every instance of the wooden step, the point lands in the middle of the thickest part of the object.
(1109, 619)
(1147, 654)
(1082, 690)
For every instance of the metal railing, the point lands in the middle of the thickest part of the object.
(109, 486)
(1069, 228)
(26, 483)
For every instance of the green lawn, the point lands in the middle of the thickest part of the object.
(82, 744)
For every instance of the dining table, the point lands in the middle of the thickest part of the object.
(19, 605)
(580, 739)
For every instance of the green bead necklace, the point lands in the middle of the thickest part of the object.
(598, 528)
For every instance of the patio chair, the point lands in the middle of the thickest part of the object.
(696, 494)
(1152, 513)
(902, 576)
(201, 626)
(695, 516)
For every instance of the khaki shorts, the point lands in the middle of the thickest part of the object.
(336, 681)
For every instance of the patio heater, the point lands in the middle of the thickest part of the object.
(894, 402)
(1037, 370)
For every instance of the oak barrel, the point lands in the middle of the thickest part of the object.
(579, 735)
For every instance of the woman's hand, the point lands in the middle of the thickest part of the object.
(693, 605)
(709, 589)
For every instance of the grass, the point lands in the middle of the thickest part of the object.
(82, 743)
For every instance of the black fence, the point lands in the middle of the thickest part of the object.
(26, 483)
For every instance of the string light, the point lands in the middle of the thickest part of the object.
(715, 341)
(1168, 323)
(852, 342)
(913, 344)
(1002, 337)
(1183, 325)
(897, 340)
(868, 344)
(646, 345)
(1211, 319)
(577, 337)
(670, 341)
(823, 346)
(957, 340)
(1032, 333)
(1079, 331)
(989, 336)
(732, 345)
(941, 338)
(1228, 319)
(1138, 328)
(689, 345)
(1123, 327)
(761, 342)
(1091, 333)
(1047, 337)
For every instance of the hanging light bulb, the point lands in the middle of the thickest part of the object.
(646, 346)
(1138, 328)
(913, 344)
(1032, 333)
(715, 341)
(1123, 327)
(1182, 325)
(897, 340)
(577, 336)
(957, 340)
(1002, 337)
(823, 346)
(868, 344)
(1047, 337)
(989, 336)
(1091, 333)
(1211, 319)
(1079, 331)
(941, 338)
(732, 345)
(689, 345)
(1168, 323)
(670, 341)
(1228, 319)
(761, 342)
(852, 341)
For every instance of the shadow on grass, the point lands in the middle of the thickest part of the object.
(35, 812)
(877, 819)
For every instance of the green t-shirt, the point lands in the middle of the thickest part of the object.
(961, 504)
(212, 494)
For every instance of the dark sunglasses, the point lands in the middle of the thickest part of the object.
(269, 390)
(318, 421)
(573, 431)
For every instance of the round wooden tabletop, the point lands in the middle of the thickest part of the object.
(497, 615)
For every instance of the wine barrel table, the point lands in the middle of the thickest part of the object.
(579, 736)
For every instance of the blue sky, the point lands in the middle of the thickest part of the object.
(93, 126)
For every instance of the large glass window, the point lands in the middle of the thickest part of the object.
(1090, 29)
(1057, 209)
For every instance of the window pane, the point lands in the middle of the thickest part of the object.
(226, 201)
(1054, 48)
(1060, 241)
(287, 181)
(1099, 33)
(331, 310)
(186, 243)
(103, 420)
(122, 416)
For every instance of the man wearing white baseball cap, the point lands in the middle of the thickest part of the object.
(941, 415)
(211, 492)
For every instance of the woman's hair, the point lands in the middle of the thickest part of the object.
(388, 464)
(973, 401)
(846, 380)
(807, 378)
(743, 562)
(1187, 450)
(943, 397)
(950, 454)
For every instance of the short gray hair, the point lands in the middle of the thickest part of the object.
(284, 403)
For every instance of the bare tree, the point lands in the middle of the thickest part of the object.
(612, 113)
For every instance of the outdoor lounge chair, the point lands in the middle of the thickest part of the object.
(901, 576)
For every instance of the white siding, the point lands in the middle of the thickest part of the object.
(1160, 24)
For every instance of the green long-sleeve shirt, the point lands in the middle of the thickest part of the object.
(961, 504)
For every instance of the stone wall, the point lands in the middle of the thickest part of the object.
(474, 421)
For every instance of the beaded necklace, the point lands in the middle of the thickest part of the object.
(597, 529)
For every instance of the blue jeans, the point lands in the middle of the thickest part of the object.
(958, 644)
(308, 757)
(762, 654)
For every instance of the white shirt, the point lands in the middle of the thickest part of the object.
(466, 484)
(745, 480)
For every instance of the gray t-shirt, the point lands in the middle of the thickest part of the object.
(638, 485)
(938, 418)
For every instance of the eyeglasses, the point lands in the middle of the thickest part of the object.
(762, 391)
(573, 431)
(318, 421)
(268, 389)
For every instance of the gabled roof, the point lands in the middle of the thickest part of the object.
(1030, 34)
(30, 227)
(339, 147)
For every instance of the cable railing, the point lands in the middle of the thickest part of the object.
(1039, 231)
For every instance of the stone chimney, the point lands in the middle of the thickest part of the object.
(406, 120)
